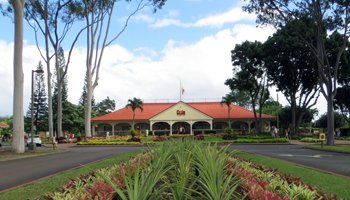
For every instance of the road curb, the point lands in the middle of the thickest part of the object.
(327, 150)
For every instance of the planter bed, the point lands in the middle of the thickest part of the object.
(187, 170)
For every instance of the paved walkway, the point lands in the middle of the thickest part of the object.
(297, 142)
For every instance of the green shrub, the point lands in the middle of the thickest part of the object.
(228, 130)
(272, 140)
(133, 132)
(229, 137)
(134, 139)
(345, 131)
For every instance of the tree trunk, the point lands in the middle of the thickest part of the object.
(298, 120)
(88, 106)
(229, 117)
(49, 93)
(330, 120)
(18, 121)
(133, 120)
(59, 98)
(256, 121)
(293, 109)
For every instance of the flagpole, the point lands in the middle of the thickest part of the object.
(180, 91)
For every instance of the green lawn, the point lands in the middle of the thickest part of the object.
(54, 183)
(327, 182)
(340, 147)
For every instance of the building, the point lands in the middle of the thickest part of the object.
(180, 117)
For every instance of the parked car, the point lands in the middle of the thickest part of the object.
(37, 140)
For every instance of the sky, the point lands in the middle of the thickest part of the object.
(187, 42)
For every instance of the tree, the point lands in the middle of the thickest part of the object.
(272, 107)
(250, 76)
(134, 104)
(83, 97)
(342, 101)
(241, 98)
(105, 106)
(342, 98)
(44, 17)
(228, 100)
(72, 120)
(292, 68)
(98, 15)
(338, 122)
(40, 104)
(285, 116)
(18, 122)
(328, 17)
(60, 93)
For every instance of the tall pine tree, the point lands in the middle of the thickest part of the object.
(40, 104)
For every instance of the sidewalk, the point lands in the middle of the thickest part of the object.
(62, 146)
(336, 142)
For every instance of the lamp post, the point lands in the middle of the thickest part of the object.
(32, 145)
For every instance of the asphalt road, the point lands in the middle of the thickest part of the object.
(22, 171)
(338, 163)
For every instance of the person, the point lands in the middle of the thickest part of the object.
(287, 133)
(275, 130)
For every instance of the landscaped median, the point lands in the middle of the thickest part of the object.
(207, 138)
(187, 170)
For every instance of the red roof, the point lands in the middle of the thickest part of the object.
(212, 109)
(4, 125)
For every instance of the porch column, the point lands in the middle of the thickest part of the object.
(171, 127)
(113, 129)
(211, 124)
(191, 132)
(150, 125)
(248, 126)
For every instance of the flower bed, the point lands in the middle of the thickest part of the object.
(265, 183)
(269, 140)
(116, 140)
(107, 143)
(187, 170)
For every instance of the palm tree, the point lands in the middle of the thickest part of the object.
(134, 103)
(227, 100)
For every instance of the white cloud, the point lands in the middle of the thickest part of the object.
(218, 20)
(231, 16)
(30, 61)
(202, 66)
(4, 2)
(141, 18)
(159, 23)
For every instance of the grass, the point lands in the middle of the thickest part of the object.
(54, 183)
(340, 148)
(326, 182)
